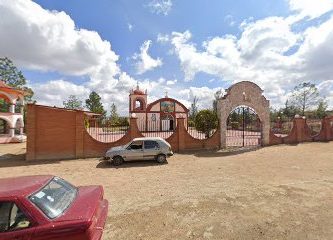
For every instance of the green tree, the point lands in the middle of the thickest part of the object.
(114, 117)
(123, 121)
(206, 121)
(93, 103)
(305, 96)
(14, 77)
(321, 111)
(73, 103)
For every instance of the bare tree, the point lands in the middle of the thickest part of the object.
(194, 108)
(218, 94)
(305, 96)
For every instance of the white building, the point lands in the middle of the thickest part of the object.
(11, 114)
(159, 115)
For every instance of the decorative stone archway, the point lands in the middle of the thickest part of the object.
(244, 94)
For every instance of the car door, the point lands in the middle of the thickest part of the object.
(134, 151)
(151, 149)
(14, 223)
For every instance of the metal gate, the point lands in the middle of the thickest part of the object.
(243, 128)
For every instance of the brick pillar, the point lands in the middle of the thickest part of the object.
(327, 129)
(31, 132)
(302, 133)
(79, 133)
(134, 131)
(300, 125)
(181, 131)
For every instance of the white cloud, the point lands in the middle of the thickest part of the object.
(49, 41)
(144, 62)
(160, 6)
(205, 96)
(171, 82)
(267, 52)
(162, 38)
(54, 92)
(229, 19)
(311, 8)
(130, 27)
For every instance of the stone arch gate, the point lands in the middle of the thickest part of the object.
(244, 94)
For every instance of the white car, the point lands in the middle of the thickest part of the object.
(147, 148)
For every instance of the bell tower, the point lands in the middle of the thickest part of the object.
(137, 100)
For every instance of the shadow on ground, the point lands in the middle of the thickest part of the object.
(221, 153)
(141, 163)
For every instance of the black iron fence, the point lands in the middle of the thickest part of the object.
(200, 134)
(106, 129)
(243, 128)
(314, 125)
(163, 128)
(282, 128)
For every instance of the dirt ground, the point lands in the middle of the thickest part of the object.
(279, 192)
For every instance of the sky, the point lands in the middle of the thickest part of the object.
(186, 48)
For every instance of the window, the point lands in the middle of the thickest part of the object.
(55, 197)
(151, 145)
(12, 218)
(136, 145)
(138, 104)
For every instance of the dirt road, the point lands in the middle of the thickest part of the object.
(279, 192)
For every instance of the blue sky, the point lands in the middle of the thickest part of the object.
(188, 48)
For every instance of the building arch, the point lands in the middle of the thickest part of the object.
(8, 97)
(7, 120)
(138, 104)
(149, 108)
(244, 94)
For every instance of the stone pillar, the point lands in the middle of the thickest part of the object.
(21, 130)
(12, 108)
(11, 132)
(223, 129)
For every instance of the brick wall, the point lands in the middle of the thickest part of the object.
(57, 133)
(301, 132)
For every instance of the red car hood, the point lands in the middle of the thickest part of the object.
(85, 205)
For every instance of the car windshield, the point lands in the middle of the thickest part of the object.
(54, 198)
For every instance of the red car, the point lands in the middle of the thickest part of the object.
(48, 207)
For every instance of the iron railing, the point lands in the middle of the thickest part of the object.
(199, 134)
(105, 129)
(282, 128)
(163, 128)
(314, 125)
(243, 128)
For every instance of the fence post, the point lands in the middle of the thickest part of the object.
(134, 131)
(302, 130)
(181, 131)
(79, 131)
(31, 132)
(327, 129)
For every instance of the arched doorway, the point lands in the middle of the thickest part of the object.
(249, 95)
(167, 123)
(243, 128)
(3, 127)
